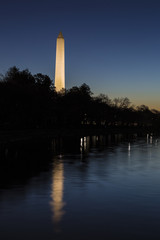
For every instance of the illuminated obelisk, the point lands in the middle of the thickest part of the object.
(60, 63)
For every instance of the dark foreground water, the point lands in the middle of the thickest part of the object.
(97, 187)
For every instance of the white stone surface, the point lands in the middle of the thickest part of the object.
(60, 63)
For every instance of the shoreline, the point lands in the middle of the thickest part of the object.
(34, 134)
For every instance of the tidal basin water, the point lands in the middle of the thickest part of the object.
(91, 187)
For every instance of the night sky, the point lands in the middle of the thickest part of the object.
(112, 45)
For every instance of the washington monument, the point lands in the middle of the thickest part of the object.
(60, 63)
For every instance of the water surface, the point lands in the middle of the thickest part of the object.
(91, 187)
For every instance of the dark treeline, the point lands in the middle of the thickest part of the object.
(30, 101)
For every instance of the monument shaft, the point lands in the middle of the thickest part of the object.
(60, 63)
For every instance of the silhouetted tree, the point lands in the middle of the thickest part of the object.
(30, 101)
(122, 102)
(19, 78)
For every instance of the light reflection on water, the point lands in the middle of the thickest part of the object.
(57, 203)
(94, 187)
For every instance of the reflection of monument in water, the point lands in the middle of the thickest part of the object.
(60, 63)
(57, 192)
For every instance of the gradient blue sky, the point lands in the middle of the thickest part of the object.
(112, 45)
